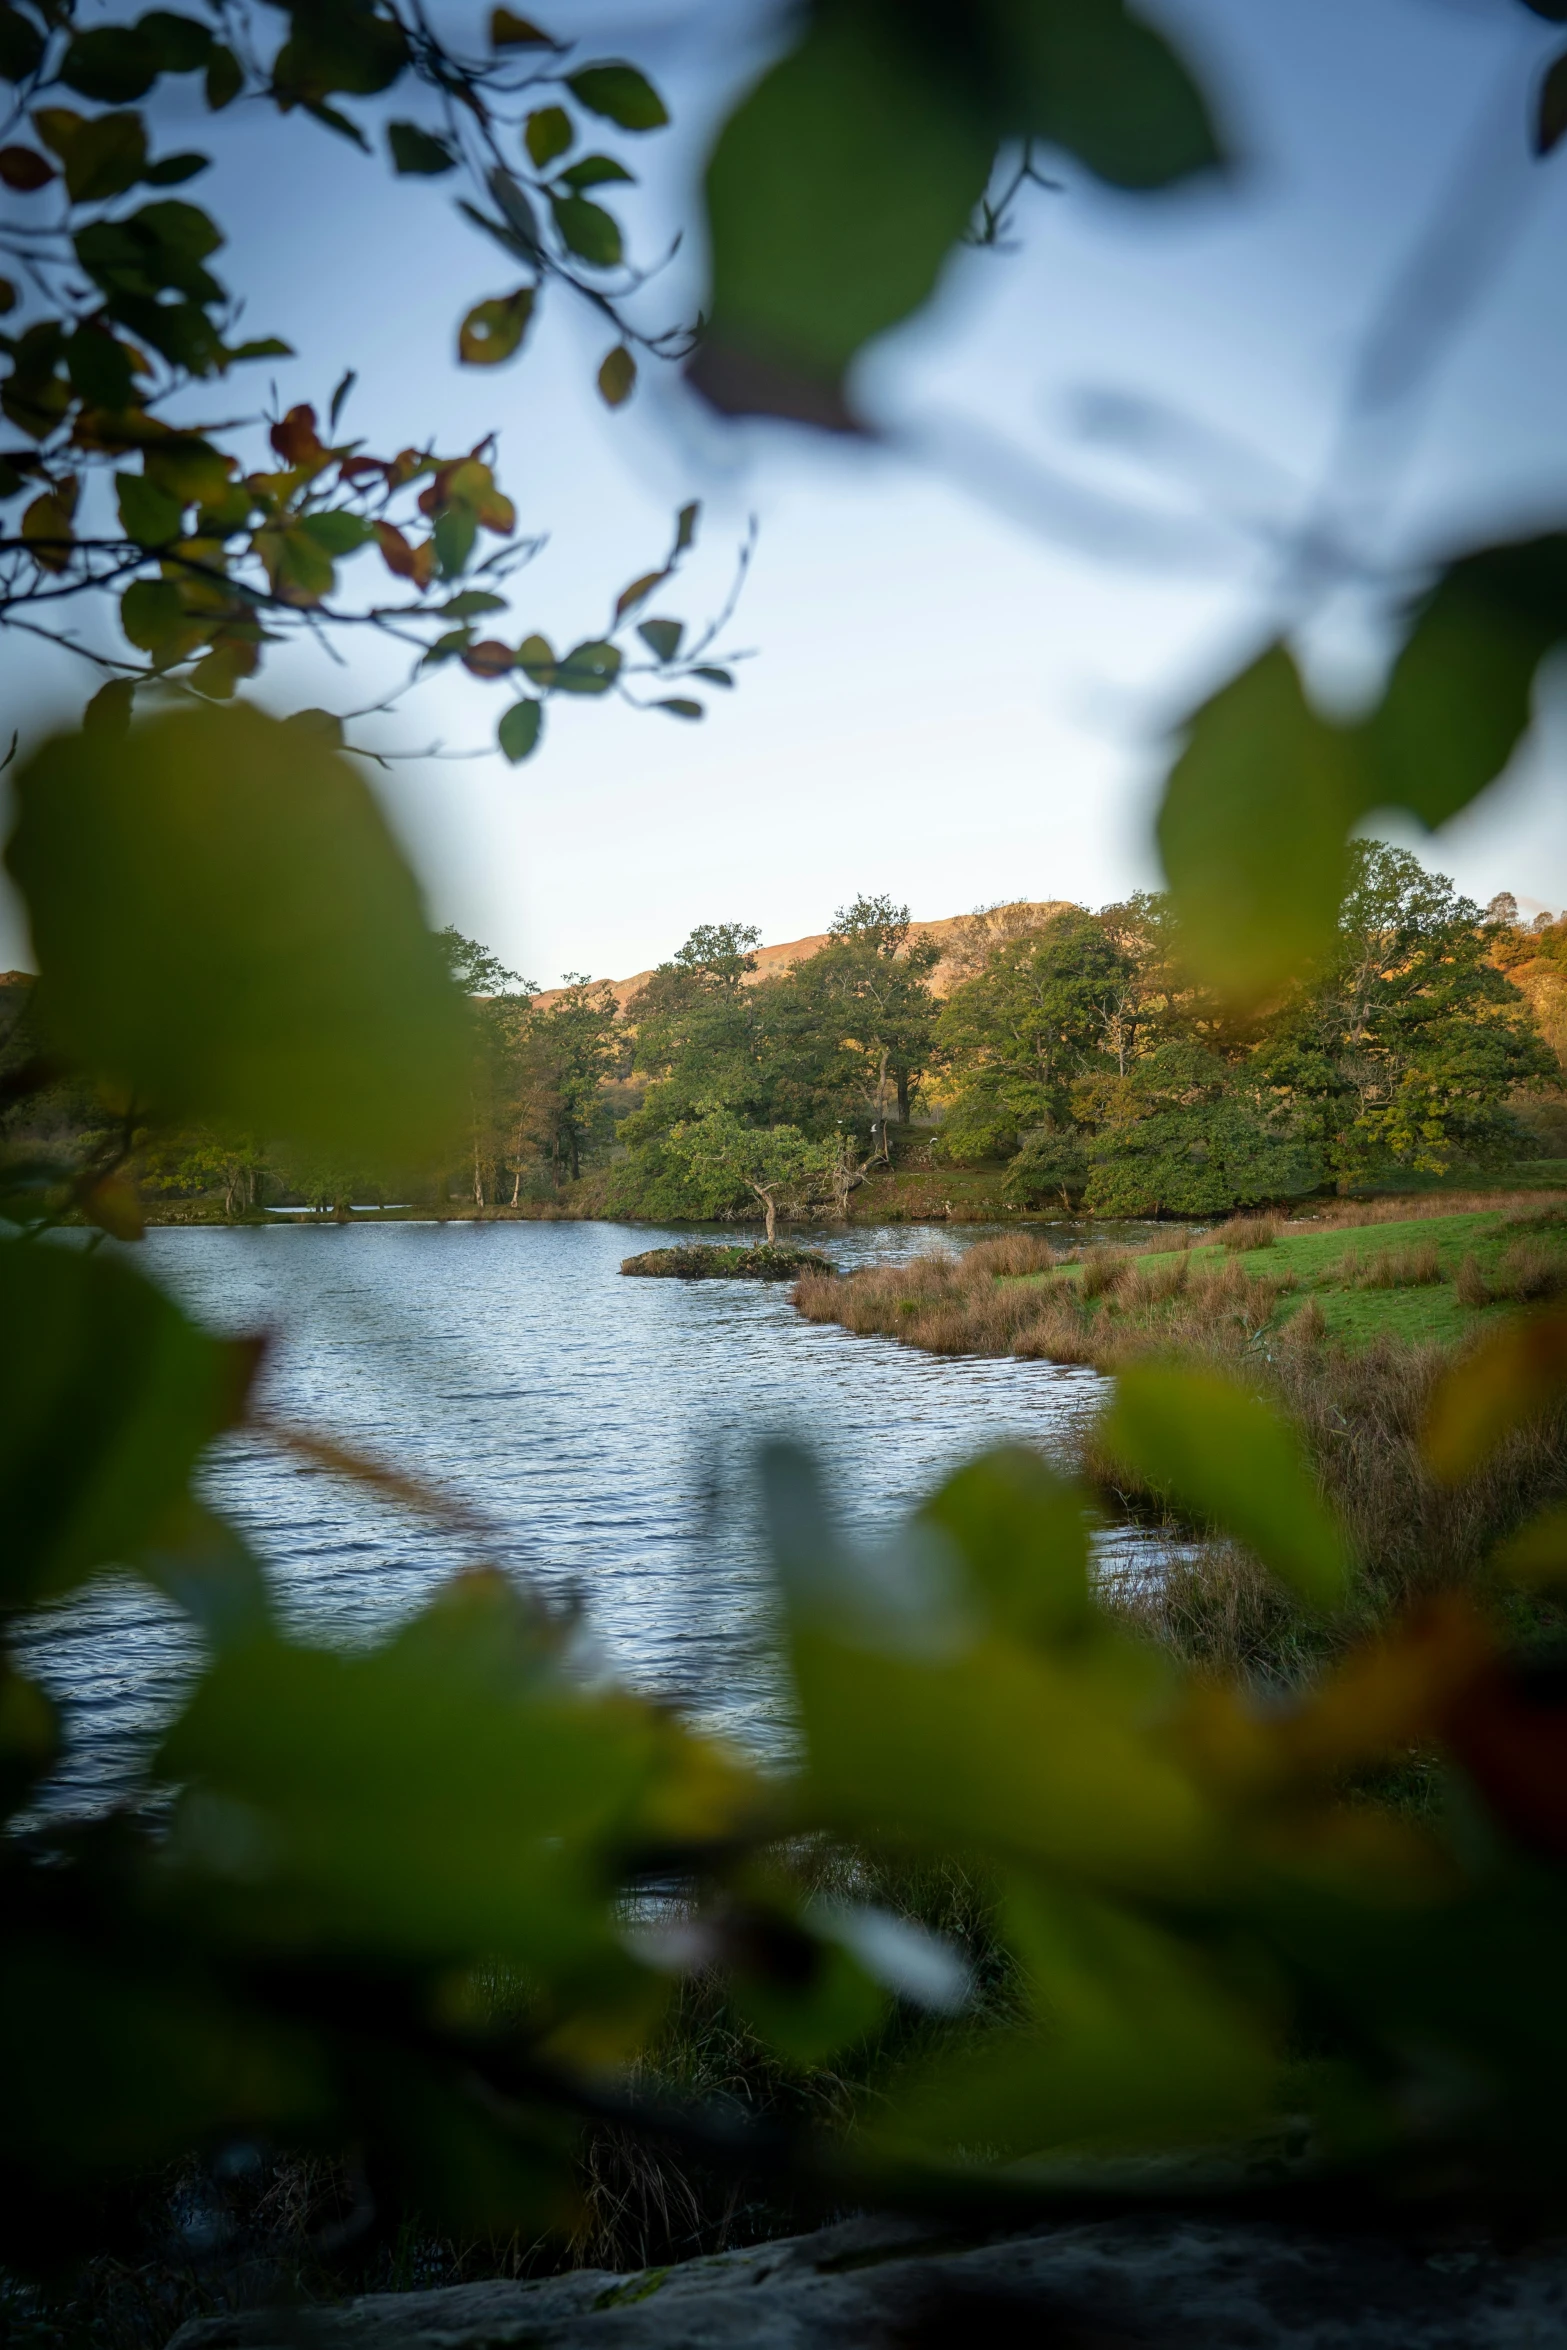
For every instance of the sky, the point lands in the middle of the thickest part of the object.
(1099, 449)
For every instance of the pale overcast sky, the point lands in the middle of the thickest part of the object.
(969, 643)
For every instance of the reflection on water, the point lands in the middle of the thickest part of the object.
(604, 1426)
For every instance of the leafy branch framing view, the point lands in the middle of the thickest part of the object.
(431, 1900)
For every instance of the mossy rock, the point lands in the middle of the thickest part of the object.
(700, 1261)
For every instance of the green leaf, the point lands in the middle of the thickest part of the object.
(1095, 79)
(919, 1722)
(147, 514)
(617, 377)
(493, 331)
(1136, 2040)
(516, 209)
(206, 1567)
(173, 170)
(108, 1397)
(594, 171)
(1458, 700)
(470, 604)
(685, 529)
(151, 614)
(21, 46)
(1022, 1536)
(1254, 828)
(454, 534)
(536, 658)
(189, 468)
(100, 366)
(589, 668)
(448, 647)
(638, 592)
(811, 259)
(337, 533)
(348, 50)
(417, 151)
(114, 63)
(438, 1796)
(111, 707)
(508, 30)
(624, 96)
(227, 932)
(104, 157)
(1224, 1454)
(519, 731)
(224, 80)
(679, 707)
(588, 231)
(29, 1738)
(662, 637)
(180, 43)
(713, 675)
(546, 134)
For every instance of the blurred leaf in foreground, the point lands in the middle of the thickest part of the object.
(1226, 1455)
(108, 1395)
(226, 931)
(842, 183)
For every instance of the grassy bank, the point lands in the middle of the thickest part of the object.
(1347, 1321)
(1417, 1272)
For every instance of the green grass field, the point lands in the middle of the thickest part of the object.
(1328, 1263)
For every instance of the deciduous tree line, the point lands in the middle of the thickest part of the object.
(1081, 1053)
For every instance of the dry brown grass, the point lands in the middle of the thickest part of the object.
(1414, 1267)
(1104, 1269)
(1345, 1214)
(1360, 1416)
(1248, 1232)
(954, 1305)
(1531, 1271)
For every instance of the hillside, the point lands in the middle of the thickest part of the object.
(963, 938)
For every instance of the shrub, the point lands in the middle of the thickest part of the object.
(1414, 1267)
(1530, 1271)
(1104, 1269)
(1247, 1232)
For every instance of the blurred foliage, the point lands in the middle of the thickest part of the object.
(210, 544)
(907, 117)
(1222, 1940)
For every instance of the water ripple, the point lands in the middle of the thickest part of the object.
(603, 1427)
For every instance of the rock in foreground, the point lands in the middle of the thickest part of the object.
(701, 1261)
(886, 2285)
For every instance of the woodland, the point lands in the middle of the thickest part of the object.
(1069, 1054)
(1245, 1893)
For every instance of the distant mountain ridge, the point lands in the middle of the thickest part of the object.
(954, 933)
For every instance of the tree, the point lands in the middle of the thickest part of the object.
(697, 1033)
(719, 1158)
(209, 542)
(496, 999)
(1185, 1135)
(569, 1046)
(1403, 1051)
(850, 1029)
(1018, 1037)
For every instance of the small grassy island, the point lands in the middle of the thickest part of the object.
(705, 1261)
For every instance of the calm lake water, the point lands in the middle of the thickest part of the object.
(603, 1426)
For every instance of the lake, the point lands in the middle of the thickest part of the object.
(603, 1426)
